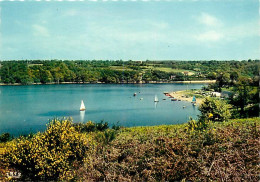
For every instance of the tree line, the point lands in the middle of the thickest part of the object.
(86, 71)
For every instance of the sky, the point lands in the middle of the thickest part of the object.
(130, 30)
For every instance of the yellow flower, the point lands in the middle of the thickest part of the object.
(210, 115)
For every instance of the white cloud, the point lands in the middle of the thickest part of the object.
(210, 36)
(242, 31)
(39, 30)
(209, 20)
(71, 12)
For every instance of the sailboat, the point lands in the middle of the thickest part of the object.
(156, 98)
(193, 100)
(82, 106)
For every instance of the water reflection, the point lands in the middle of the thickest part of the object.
(155, 104)
(194, 107)
(82, 116)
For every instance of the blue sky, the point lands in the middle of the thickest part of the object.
(165, 30)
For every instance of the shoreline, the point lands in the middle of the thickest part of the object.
(182, 95)
(151, 82)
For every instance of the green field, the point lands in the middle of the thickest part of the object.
(120, 68)
(168, 70)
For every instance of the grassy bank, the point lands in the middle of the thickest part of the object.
(226, 152)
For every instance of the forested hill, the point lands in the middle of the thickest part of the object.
(59, 71)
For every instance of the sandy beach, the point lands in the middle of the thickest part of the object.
(182, 95)
(196, 81)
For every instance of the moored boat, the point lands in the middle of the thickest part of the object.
(193, 101)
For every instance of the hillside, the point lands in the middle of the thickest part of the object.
(224, 152)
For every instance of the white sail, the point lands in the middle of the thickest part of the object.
(156, 98)
(82, 106)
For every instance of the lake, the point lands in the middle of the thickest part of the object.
(25, 109)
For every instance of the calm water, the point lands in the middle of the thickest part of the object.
(25, 109)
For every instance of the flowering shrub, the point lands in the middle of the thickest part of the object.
(219, 109)
(51, 155)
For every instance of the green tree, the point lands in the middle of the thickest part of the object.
(212, 75)
(243, 95)
(45, 76)
(234, 76)
(219, 109)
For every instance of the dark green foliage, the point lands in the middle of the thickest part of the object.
(245, 98)
(5, 137)
(116, 126)
(105, 137)
(102, 126)
(91, 127)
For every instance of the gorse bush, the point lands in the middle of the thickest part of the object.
(219, 109)
(51, 155)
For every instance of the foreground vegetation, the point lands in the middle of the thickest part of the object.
(226, 151)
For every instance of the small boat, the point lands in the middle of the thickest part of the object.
(156, 98)
(82, 106)
(134, 94)
(141, 98)
(183, 107)
(194, 101)
(164, 99)
(174, 99)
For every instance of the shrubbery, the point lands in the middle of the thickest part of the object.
(91, 127)
(169, 153)
(5, 137)
(216, 151)
(218, 109)
(52, 155)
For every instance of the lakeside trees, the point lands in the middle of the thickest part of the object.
(58, 71)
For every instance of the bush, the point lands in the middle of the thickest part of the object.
(91, 127)
(101, 127)
(106, 136)
(219, 110)
(52, 155)
(87, 127)
(5, 137)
